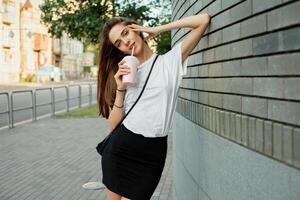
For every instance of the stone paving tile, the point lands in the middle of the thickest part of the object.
(50, 159)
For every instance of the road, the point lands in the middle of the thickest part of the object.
(43, 96)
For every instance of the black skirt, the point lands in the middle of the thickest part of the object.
(132, 164)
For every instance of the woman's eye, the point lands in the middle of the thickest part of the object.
(126, 32)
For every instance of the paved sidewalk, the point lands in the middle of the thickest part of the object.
(52, 158)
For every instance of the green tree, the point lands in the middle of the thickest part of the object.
(83, 19)
(79, 19)
(163, 41)
(163, 13)
(135, 10)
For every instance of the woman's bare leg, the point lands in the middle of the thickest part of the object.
(113, 196)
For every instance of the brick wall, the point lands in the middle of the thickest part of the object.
(242, 86)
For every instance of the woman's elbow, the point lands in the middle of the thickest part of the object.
(203, 18)
(206, 18)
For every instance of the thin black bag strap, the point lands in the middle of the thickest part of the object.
(139, 95)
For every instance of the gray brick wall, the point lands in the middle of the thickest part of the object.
(243, 80)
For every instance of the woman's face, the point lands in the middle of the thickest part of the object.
(122, 37)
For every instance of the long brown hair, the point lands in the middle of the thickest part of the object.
(109, 57)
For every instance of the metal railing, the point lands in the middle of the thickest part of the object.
(11, 110)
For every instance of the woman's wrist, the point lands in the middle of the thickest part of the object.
(159, 29)
(121, 90)
(118, 106)
(120, 96)
(119, 101)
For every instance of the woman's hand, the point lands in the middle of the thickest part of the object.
(123, 70)
(151, 31)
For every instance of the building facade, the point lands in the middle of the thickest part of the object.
(236, 132)
(36, 45)
(68, 55)
(9, 40)
(25, 44)
(72, 52)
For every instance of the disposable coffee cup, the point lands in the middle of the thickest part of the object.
(132, 62)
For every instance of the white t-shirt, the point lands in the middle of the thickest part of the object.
(153, 115)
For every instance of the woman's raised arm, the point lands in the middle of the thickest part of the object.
(198, 23)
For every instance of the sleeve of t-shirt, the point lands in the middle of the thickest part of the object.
(173, 60)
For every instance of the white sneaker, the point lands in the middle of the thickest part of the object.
(93, 186)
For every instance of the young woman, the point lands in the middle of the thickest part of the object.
(134, 159)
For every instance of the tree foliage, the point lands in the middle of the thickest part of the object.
(83, 19)
(135, 10)
(79, 19)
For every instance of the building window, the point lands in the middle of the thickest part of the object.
(7, 55)
(8, 6)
